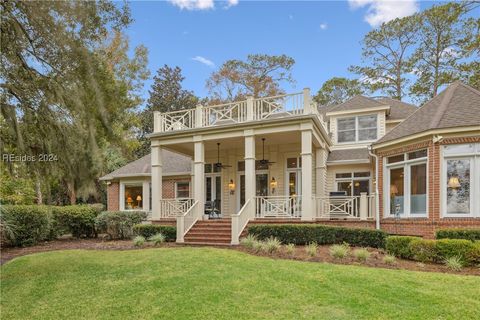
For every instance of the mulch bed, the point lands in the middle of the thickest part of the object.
(323, 255)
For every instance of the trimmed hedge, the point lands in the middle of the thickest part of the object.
(467, 234)
(30, 224)
(423, 250)
(79, 220)
(301, 234)
(119, 224)
(399, 246)
(148, 230)
(447, 248)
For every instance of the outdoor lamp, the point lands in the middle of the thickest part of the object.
(273, 185)
(231, 187)
(453, 182)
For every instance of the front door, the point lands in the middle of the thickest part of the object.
(213, 189)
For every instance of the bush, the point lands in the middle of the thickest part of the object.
(157, 239)
(423, 250)
(28, 224)
(454, 263)
(467, 234)
(248, 241)
(302, 234)
(473, 257)
(119, 224)
(138, 241)
(148, 230)
(447, 248)
(339, 251)
(290, 248)
(311, 249)
(361, 254)
(79, 220)
(399, 246)
(257, 246)
(272, 245)
(389, 259)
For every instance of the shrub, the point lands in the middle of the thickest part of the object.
(148, 230)
(302, 234)
(272, 245)
(473, 256)
(248, 241)
(389, 259)
(311, 249)
(454, 263)
(467, 234)
(157, 239)
(79, 220)
(361, 254)
(29, 224)
(290, 248)
(423, 250)
(399, 246)
(257, 246)
(138, 241)
(447, 248)
(119, 224)
(339, 251)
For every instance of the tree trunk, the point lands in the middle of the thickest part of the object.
(38, 190)
(71, 193)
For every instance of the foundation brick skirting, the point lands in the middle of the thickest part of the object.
(113, 191)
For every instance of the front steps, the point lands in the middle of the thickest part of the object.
(212, 232)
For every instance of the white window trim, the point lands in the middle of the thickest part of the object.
(189, 189)
(356, 129)
(297, 171)
(352, 178)
(474, 158)
(145, 194)
(406, 165)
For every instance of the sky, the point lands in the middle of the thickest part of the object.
(199, 35)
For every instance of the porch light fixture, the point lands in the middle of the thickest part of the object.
(273, 184)
(453, 182)
(231, 187)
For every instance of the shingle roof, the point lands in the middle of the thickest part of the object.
(399, 110)
(348, 155)
(173, 163)
(456, 106)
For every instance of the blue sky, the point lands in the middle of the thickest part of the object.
(198, 36)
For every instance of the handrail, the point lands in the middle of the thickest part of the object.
(171, 208)
(240, 220)
(186, 221)
(278, 207)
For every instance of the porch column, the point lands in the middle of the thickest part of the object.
(321, 171)
(199, 173)
(307, 176)
(250, 188)
(157, 173)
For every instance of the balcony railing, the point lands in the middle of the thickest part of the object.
(280, 106)
(362, 207)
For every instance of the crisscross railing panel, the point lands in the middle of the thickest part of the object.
(235, 112)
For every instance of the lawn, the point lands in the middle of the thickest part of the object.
(209, 283)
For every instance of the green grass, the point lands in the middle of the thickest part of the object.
(208, 283)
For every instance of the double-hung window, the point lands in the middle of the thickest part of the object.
(357, 129)
(406, 187)
(461, 180)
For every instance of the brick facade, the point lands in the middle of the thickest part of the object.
(425, 227)
(113, 191)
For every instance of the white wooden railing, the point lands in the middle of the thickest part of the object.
(227, 113)
(171, 208)
(278, 207)
(362, 207)
(185, 221)
(241, 219)
(174, 121)
(288, 104)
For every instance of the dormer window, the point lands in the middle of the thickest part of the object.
(356, 129)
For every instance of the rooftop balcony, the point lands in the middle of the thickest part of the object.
(250, 110)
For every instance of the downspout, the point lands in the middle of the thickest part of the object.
(377, 200)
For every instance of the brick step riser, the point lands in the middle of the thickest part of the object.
(208, 240)
(211, 229)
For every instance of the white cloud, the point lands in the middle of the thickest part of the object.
(201, 4)
(231, 3)
(323, 26)
(204, 61)
(380, 11)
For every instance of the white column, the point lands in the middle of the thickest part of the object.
(320, 171)
(307, 176)
(146, 196)
(198, 116)
(250, 108)
(250, 188)
(199, 173)
(306, 101)
(363, 206)
(157, 173)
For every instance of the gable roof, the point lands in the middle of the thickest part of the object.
(173, 163)
(456, 106)
(399, 110)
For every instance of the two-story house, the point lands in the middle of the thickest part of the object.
(215, 169)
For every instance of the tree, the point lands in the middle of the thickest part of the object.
(385, 53)
(166, 94)
(337, 90)
(260, 75)
(443, 31)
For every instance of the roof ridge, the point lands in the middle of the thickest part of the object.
(437, 117)
(468, 87)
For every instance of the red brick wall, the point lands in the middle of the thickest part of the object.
(168, 187)
(113, 194)
(425, 227)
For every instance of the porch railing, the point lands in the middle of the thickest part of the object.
(171, 208)
(278, 207)
(269, 107)
(227, 113)
(185, 221)
(174, 121)
(362, 207)
(241, 219)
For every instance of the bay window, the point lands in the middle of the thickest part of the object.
(461, 180)
(358, 128)
(135, 195)
(406, 189)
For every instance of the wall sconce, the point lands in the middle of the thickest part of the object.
(231, 187)
(273, 185)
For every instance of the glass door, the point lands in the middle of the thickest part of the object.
(213, 191)
(261, 187)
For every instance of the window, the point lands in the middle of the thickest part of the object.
(294, 176)
(461, 180)
(353, 183)
(354, 129)
(133, 197)
(182, 190)
(406, 189)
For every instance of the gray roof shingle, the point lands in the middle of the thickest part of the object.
(348, 155)
(399, 110)
(456, 106)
